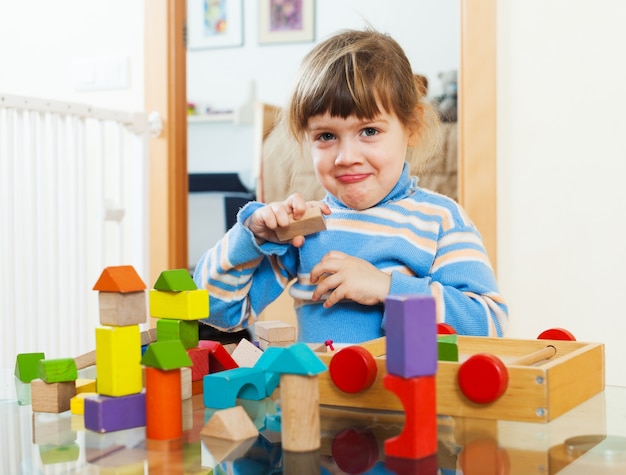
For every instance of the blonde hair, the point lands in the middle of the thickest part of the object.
(357, 72)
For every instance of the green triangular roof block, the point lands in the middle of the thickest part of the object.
(26, 366)
(166, 355)
(176, 280)
(296, 359)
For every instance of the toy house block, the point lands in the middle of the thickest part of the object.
(219, 358)
(184, 330)
(166, 355)
(186, 305)
(85, 385)
(222, 389)
(296, 359)
(232, 423)
(52, 397)
(57, 370)
(121, 279)
(122, 309)
(185, 384)
(163, 404)
(447, 347)
(199, 362)
(77, 403)
(26, 366)
(275, 331)
(311, 222)
(411, 329)
(176, 280)
(246, 353)
(109, 414)
(418, 438)
(118, 355)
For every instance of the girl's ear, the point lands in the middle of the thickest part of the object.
(414, 127)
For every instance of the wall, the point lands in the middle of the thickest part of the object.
(562, 169)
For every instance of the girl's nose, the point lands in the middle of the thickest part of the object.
(348, 154)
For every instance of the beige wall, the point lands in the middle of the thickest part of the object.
(562, 170)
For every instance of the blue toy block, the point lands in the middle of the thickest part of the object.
(222, 389)
(411, 330)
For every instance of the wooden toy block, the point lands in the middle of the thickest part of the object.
(199, 362)
(52, 397)
(119, 279)
(539, 392)
(185, 384)
(296, 359)
(77, 403)
(176, 280)
(246, 354)
(85, 385)
(311, 222)
(418, 438)
(109, 414)
(300, 416)
(166, 355)
(86, 360)
(222, 389)
(447, 348)
(26, 366)
(120, 309)
(118, 356)
(275, 331)
(186, 305)
(264, 344)
(219, 358)
(184, 330)
(411, 323)
(232, 423)
(163, 404)
(148, 336)
(57, 370)
(272, 379)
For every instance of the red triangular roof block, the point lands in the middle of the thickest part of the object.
(121, 279)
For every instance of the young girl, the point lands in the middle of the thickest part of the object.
(357, 109)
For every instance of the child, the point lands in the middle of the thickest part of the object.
(357, 109)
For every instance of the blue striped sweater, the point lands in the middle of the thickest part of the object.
(423, 239)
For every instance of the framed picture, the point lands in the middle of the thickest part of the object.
(214, 23)
(286, 21)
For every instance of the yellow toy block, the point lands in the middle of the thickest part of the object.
(77, 403)
(84, 385)
(118, 357)
(185, 305)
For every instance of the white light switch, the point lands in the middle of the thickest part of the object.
(100, 73)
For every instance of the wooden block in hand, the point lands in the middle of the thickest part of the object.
(311, 222)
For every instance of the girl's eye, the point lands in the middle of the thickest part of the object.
(369, 131)
(326, 136)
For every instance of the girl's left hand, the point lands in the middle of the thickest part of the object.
(347, 277)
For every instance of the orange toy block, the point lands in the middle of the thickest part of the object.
(164, 413)
(52, 397)
(119, 279)
(311, 222)
(418, 438)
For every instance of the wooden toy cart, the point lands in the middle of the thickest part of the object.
(495, 378)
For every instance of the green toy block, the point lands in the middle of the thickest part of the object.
(176, 280)
(26, 366)
(166, 355)
(447, 348)
(57, 370)
(184, 330)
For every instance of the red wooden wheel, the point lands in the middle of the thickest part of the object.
(483, 378)
(353, 369)
(556, 334)
(445, 329)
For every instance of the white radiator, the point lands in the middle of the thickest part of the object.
(73, 200)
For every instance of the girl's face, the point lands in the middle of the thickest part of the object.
(358, 161)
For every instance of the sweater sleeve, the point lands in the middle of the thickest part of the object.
(241, 276)
(463, 284)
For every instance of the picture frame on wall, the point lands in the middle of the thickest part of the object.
(214, 23)
(286, 21)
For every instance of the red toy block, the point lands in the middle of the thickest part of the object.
(418, 438)
(200, 362)
(219, 358)
(164, 414)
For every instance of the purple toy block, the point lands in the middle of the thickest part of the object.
(108, 414)
(411, 329)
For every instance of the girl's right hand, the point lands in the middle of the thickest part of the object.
(264, 221)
